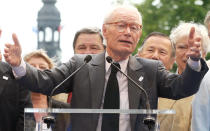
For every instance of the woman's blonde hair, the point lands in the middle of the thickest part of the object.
(40, 54)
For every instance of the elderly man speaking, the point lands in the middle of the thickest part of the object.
(100, 85)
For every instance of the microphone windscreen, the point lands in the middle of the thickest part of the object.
(108, 59)
(88, 58)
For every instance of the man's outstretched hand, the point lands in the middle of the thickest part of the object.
(12, 52)
(194, 45)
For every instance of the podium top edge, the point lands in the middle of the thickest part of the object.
(96, 111)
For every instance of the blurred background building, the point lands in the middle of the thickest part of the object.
(48, 33)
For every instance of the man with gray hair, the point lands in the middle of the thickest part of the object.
(99, 85)
(180, 38)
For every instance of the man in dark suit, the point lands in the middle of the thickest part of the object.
(122, 29)
(13, 99)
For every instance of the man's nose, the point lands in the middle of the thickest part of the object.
(155, 56)
(128, 31)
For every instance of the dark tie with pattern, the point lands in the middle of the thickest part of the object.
(110, 122)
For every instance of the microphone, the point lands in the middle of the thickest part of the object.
(148, 120)
(49, 119)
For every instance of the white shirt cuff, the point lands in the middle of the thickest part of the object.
(195, 65)
(20, 70)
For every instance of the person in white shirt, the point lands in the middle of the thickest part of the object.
(201, 102)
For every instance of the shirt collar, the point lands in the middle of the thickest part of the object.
(123, 64)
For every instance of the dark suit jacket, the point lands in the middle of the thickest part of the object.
(88, 85)
(13, 100)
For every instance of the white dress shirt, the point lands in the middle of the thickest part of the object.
(201, 106)
(124, 120)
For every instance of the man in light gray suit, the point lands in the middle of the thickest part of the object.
(122, 29)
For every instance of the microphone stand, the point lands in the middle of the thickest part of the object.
(148, 120)
(49, 119)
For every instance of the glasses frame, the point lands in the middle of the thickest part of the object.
(127, 25)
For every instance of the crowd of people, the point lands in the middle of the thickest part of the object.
(187, 91)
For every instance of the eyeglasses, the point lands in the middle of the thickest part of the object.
(122, 26)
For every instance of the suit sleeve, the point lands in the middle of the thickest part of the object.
(174, 86)
(44, 81)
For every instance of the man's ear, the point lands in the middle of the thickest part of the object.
(104, 30)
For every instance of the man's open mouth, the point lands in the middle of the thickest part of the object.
(126, 41)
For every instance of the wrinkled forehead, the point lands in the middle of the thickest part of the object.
(125, 14)
(158, 41)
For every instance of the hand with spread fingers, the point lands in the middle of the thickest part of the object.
(12, 52)
(194, 44)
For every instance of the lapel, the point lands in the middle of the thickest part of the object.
(4, 75)
(97, 79)
(135, 71)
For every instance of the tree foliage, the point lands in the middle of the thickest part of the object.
(163, 15)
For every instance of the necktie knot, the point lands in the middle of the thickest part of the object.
(114, 69)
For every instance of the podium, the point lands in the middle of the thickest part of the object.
(85, 119)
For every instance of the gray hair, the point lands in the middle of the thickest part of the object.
(183, 29)
(207, 19)
(129, 7)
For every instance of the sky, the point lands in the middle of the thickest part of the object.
(20, 17)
